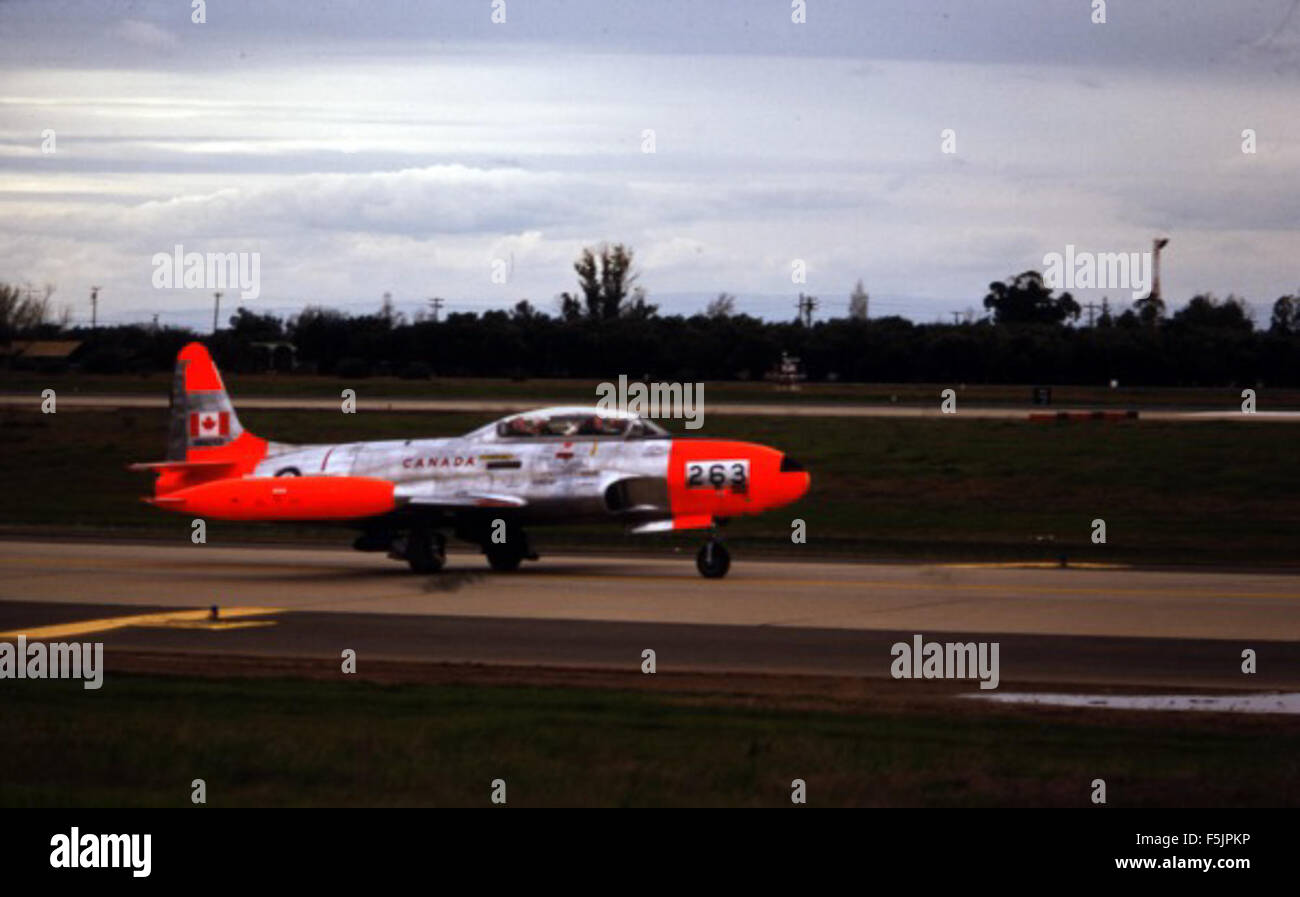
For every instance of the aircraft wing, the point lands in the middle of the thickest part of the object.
(681, 521)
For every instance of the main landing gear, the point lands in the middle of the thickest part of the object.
(507, 555)
(714, 560)
(423, 549)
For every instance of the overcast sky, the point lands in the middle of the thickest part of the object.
(402, 147)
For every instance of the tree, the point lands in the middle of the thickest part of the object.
(25, 312)
(607, 283)
(1025, 299)
(859, 302)
(1286, 315)
(1206, 311)
(525, 313)
(323, 336)
(1105, 320)
(722, 307)
(251, 327)
(1149, 309)
(570, 307)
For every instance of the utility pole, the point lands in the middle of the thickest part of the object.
(436, 302)
(216, 310)
(806, 306)
(956, 316)
(1092, 308)
(1157, 244)
(94, 308)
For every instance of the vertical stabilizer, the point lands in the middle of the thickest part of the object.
(202, 416)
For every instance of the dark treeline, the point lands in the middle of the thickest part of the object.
(1029, 336)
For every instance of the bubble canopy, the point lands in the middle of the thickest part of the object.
(571, 422)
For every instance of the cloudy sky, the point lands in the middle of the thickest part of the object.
(403, 147)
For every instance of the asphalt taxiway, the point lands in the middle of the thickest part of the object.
(1110, 626)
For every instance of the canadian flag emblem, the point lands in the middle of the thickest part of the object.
(209, 423)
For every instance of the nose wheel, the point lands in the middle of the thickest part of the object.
(714, 560)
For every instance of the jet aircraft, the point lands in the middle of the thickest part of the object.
(548, 466)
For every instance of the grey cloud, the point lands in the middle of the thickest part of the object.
(1160, 33)
(442, 199)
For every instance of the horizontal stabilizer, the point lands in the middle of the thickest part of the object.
(179, 466)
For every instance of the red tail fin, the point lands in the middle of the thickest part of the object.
(205, 440)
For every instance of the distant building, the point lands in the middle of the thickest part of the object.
(38, 354)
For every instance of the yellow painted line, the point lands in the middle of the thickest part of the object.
(215, 627)
(105, 624)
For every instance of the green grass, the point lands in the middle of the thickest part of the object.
(1175, 492)
(142, 740)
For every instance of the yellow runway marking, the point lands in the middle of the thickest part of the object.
(217, 626)
(198, 618)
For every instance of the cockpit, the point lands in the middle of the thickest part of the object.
(574, 423)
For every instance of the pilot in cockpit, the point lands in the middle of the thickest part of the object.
(522, 426)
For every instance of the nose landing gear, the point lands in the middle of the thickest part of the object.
(714, 560)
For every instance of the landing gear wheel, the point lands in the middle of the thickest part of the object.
(714, 560)
(426, 551)
(504, 558)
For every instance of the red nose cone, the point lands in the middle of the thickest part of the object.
(792, 486)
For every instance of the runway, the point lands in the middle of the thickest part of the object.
(106, 402)
(1098, 626)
